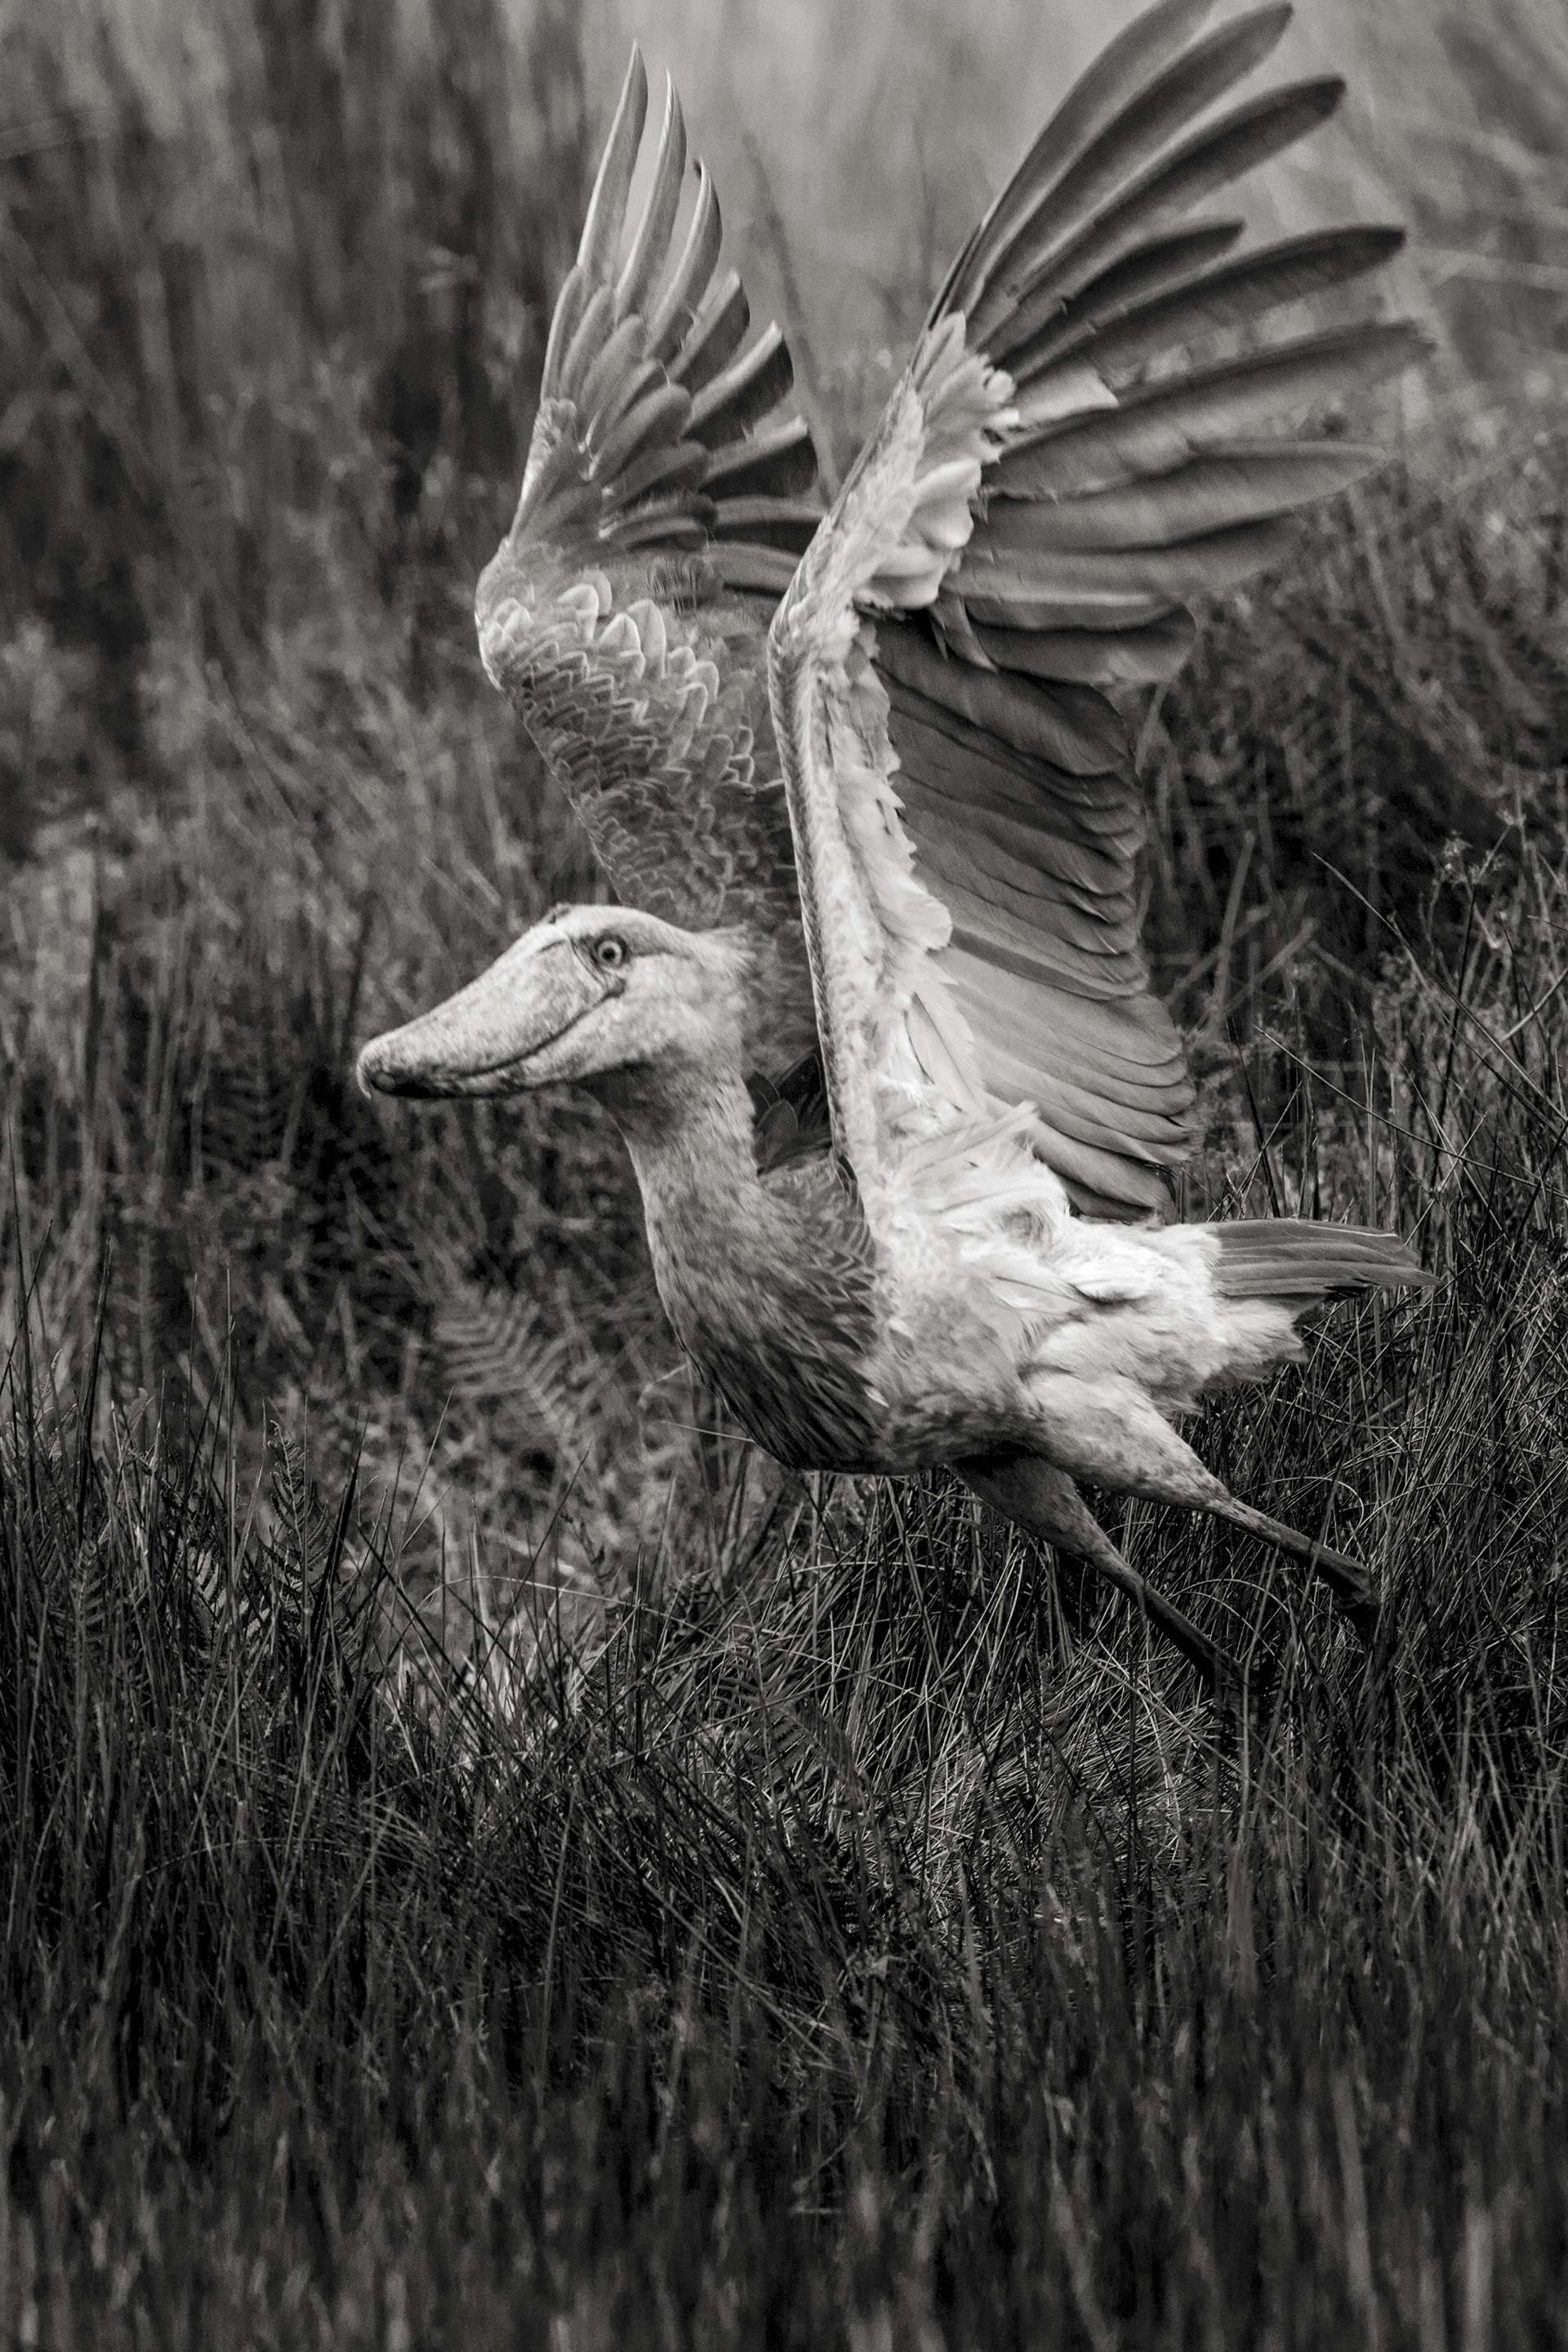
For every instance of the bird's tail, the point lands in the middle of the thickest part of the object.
(1300, 1263)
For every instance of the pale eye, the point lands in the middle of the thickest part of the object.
(611, 954)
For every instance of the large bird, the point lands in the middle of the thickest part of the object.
(872, 1015)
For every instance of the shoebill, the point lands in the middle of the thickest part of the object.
(870, 1013)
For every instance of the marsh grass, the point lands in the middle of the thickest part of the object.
(483, 1857)
(845, 1938)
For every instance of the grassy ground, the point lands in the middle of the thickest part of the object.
(482, 1857)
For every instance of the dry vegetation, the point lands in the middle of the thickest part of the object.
(481, 1857)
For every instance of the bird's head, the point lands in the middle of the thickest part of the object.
(602, 996)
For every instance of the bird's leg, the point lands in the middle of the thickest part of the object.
(1044, 1501)
(1117, 1439)
(1351, 1586)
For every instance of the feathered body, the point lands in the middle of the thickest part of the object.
(861, 783)
(836, 1353)
(771, 1281)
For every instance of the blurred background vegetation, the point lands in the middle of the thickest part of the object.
(439, 1763)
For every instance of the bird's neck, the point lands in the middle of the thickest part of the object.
(768, 1285)
(689, 1132)
(729, 1252)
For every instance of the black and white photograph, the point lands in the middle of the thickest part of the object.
(783, 1176)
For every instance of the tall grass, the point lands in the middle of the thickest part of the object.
(277, 278)
(845, 1938)
(482, 1854)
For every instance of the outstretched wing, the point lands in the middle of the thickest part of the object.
(1075, 451)
(668, 498)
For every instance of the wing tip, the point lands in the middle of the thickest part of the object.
(605, 215)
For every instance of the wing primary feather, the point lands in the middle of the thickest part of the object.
(1140, 1130)
(788, 523)
(670, 507)
(1011, 869)
(667, 468)
(1123, 68)
(587, 342)
(1224, 298)
(612, 185)
(668, 465)
(717, 336)
(763, 570)
(1141, 132)
(1103, 1183)
(1165, 424)
(660, 416)
(1001, 944)
(1222, 151)
(570, 305)
(1081, 733)
(650, 245)
(1099, 815)
(677, 307)
(781, 460)
(1148, 271)
(746, 390)
(635, 381)
(1089, 576)
(621, 348)
(1012, 611)
(675, 521)
(1134, 1033)
(1147, 655)
(1248, 482)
